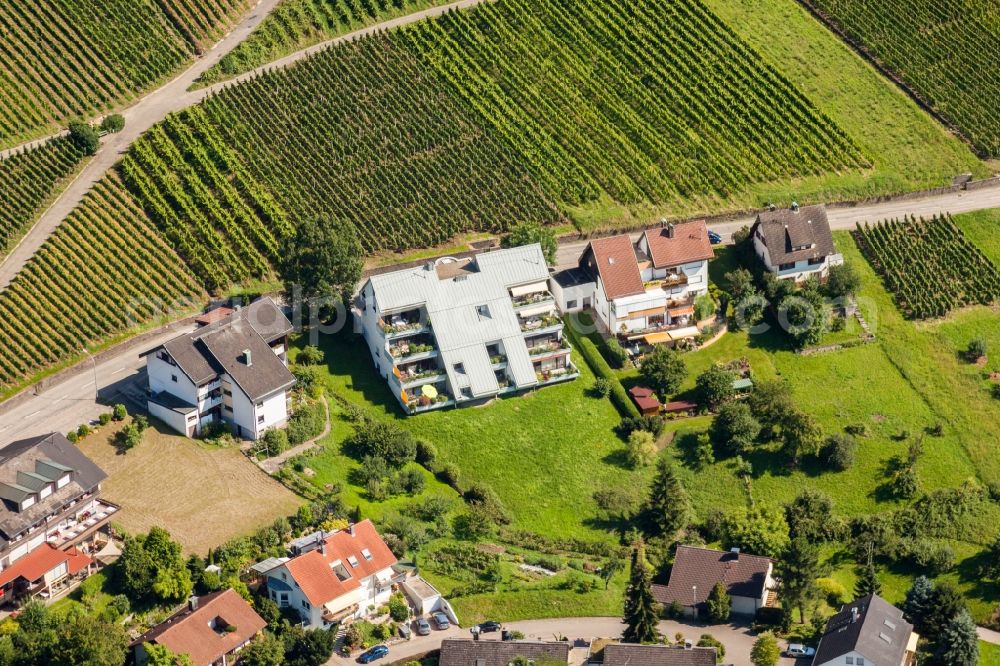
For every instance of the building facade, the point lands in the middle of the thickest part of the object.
(461, 331)
(645, 288)
(232, 369)
(335, 577)
(53, 519)
(867, 632)
(795, 243)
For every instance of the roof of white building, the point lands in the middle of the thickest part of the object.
(469, 305)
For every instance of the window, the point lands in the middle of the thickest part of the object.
(227, 392)
(173, 378)
(850, 660)
(260, 419)
(483, 311)
(353, 561)
(259, 405)
(227, 409)
(284, 576)
(860, 661)
(815, 261)
(367, 554)
(786, 267)
(571, 304)
(586, 302)
(888, 624)
(305, 604)
(459, 368)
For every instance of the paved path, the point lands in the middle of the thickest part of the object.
(737, 639)
(29, 145)
(64, 406)
(846, 217)
(988, 635)
(173, 97)
(272, 465)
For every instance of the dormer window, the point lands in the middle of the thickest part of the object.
(63, 481)
(367, 554)
(27, 502)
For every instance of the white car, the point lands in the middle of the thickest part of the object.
(797, 650)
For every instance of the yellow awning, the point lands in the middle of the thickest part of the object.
(686, 332)
(429, 391)
(657, 338)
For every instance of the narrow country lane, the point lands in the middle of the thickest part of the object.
(173, 97)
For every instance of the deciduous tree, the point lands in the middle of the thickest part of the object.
(526, 233)
(663, 370)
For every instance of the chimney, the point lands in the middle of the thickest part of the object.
(670, 231)
(795, 206)
(192, 603)
(663, 222)
(246, 357)
(854, 614)
(350, 529)
(736, 552)
(429, 266)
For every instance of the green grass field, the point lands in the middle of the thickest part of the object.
(989, 654)
(983, 229)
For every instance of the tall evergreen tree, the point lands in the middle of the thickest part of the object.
(958, 644)
(799, 568)
(668, 506)
(641, 610)
(868, 582)
(919, 603)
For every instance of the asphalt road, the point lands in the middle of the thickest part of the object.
(737, 639)
(154, 107)
(64, 406)
(843, 217)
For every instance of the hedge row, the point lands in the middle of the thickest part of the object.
(601, 368)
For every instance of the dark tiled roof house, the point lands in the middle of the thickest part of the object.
(630, 654)
(795, 243)
(867, 632)
(748, 580)
(465, 652)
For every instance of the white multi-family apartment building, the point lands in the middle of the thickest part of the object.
(460, 331)
(795, 243)
(233, 369)
(643, 288)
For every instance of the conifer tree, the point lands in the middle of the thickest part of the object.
(668, 505)
(641, 610)
(868, 583)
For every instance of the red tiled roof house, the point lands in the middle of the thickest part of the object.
(211, 630)
(336, 581)
(748, 580)
(646, 285)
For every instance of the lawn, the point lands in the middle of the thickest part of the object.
(202, 495)
(989, 654)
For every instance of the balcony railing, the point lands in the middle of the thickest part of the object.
(408, 349)
(548, 347)
(536, 323)
(532, 299)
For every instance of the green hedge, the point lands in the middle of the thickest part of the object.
(601, 368)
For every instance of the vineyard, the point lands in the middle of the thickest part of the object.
(104, 271)
(73, 58)
(946, 51)
(649, 102)
(296, 24)
(27, 179)
(359, 133)
(930, 267)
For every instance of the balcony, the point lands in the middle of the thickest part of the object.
(548, 347)
(417, 403)
(72, 530)
(561, 374)
(535, 302)
(418, 373)
(537, 323)
(404, 324)
(412, 349)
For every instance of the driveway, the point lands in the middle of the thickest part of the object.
(737, 639)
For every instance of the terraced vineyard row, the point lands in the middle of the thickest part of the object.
(27, 179)
(647, 101)
(930, 267)
(66, 58)
(296, 24)
(359, 133)
(946, 51)
(104, 271)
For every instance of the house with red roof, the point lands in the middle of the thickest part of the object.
(644, 288)
(337, 577)
(211, 630)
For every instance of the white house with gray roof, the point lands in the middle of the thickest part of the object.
(867, 632)
(795, 243)
(232, 369)
(460, 331)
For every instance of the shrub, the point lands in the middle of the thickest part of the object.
(977, 349)
(119, 412)
(310, 355)
(734, 429)
(129, 436)
(843, 280)
(602, 387)
(385, 440)
(641, 448)
(931, 557)
(650, 424)
(104, 418)
(601, 368)
(83, 430)
(704, 306)
(615, 353)
(449, 475)
(834, 593)
(272, 442)
(410, 481)
(708, 640)
(426, 454)
(399, 610)
(307, 422)
(857, 429)
(839, 450)
(84, 136)
(113, 123)
(904, 483)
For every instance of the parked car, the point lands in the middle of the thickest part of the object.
(441, 620)
(372, 654)
(488, 626)
(714, 238)
(404, 631)
(796, 650)
(423, 627)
